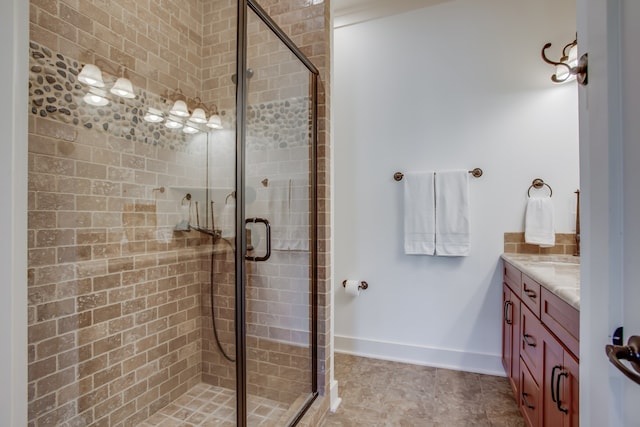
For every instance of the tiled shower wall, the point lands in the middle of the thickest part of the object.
(115, 295)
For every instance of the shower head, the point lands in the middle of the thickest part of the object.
(232, 195)
(234, 78)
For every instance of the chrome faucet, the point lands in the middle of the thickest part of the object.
(577, 253)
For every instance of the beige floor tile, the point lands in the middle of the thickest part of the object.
(382, 393)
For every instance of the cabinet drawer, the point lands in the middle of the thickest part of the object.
(531, 333)
(531, 294)
(513, 278)
(529, 396)
(562, 320)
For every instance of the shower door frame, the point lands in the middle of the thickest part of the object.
(241, 235)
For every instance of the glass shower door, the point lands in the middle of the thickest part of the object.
(280, 226)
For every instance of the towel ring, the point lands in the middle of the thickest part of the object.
(538, 183)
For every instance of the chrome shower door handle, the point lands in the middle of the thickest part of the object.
(267, 226)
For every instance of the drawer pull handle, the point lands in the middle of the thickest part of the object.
(530, 293)
(506, 312)
(555, 387)
(554, 399)
(559, 402)
(526, 339)
(525, 402)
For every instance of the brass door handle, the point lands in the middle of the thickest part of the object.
(629, 352)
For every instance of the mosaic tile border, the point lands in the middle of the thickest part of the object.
(56, 93)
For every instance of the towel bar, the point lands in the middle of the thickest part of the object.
(477, 173)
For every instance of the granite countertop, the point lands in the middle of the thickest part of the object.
(559, 274)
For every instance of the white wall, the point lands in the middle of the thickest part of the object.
(13, 217)
(457, 85)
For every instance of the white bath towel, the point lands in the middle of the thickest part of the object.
(539, 228)
(419, 213)
(452, 213)
(280, 212)
(299, 215)
(288, 207)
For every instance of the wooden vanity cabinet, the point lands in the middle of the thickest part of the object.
(542, 368)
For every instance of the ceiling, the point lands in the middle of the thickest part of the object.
(348, 12)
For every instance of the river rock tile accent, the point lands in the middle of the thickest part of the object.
(56, 93)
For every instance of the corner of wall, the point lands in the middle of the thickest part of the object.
(13, 220)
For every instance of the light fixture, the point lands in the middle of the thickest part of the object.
(192, 113)
(179, 109)
(190, 128)
(123, 88)
(96, 97)
(214, 122)
(198, 116)
(153, 115)
(173, 123)
(569, 67)
(91, 75)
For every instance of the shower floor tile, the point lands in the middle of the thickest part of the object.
(207, 406)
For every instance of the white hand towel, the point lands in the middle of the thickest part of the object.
(539, 228)
(419, 213)
(452, 213)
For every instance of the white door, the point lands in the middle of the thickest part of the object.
(610, 184)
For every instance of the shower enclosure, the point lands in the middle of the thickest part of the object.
(172, 257)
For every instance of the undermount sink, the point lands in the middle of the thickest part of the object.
(571, 292)
(562, 262)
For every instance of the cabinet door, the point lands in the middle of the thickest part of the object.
(571, 391)
(551, 387)
(529, 397)
(511, 336)
(507, 329)
(560, 389)
(531, 341)
(515, 345)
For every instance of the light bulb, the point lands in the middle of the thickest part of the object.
(96, 97)
(173, 123)
(190, 128)
(153, 116)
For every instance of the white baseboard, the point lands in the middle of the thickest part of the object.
(480, 363)
(335, 400)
